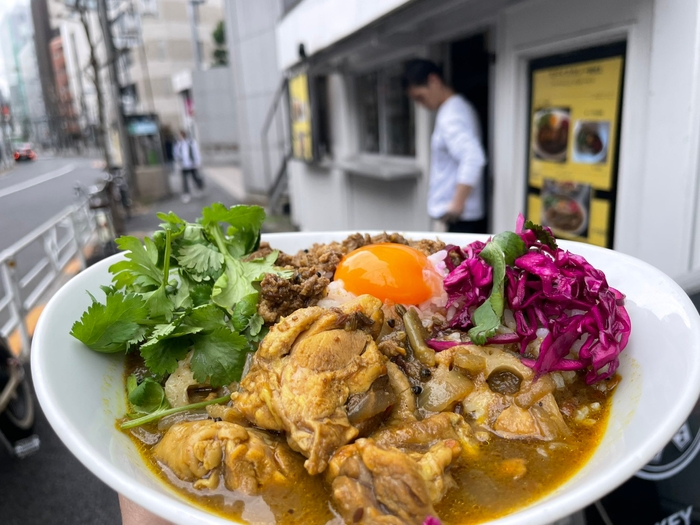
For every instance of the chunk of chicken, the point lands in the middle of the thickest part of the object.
(378, 484)
(418, 436)
(513, 405)
(201, 451)
(305, 370)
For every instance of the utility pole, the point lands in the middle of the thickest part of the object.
(194, 26)
(111, 55)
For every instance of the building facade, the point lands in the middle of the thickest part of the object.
(64, 99)
(495, 52)
(252, 54)
(164, 48)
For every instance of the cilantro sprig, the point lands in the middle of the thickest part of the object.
(187, 289)
(148, 402)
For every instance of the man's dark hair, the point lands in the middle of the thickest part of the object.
(417, 71)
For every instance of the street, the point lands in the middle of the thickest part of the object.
(31, 194)
(35, 191)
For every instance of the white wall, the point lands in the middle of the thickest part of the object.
(320, 23)
(250, 30)
(658, 167)
(215, 114)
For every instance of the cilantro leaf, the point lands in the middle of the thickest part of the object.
(219, 356)
(544, 235)
(237, 280)
(109, 327)
(159, 414)
(140, 266)
(246, 223)
(161, 356)
(245, 318)
(244, 310)
(201, 259)
(147, 397)
(208, 317)
(191, 293)
(159, 304)
(171, 222)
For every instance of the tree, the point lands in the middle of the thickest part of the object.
(81, 7)
(220, 54)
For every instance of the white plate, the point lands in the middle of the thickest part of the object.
(82, 392)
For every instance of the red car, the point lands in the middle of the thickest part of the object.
(24, 152)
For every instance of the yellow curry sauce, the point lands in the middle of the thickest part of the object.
(489, 487)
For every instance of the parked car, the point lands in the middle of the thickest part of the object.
(24, 151)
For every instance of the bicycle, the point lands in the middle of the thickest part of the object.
(17, 414)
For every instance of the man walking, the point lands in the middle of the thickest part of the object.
(186, 152)
(456, 189)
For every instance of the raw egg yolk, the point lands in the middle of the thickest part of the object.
(390, 272)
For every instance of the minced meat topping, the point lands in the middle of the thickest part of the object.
(314, 268)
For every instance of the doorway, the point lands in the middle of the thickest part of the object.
(468, 71)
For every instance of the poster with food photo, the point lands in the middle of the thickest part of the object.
(566, 207)
(550, 134)
(591, 140)
(573, 135)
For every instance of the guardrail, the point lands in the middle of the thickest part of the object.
(62, 238)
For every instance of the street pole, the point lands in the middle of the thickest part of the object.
(111, 55)
(194, 27)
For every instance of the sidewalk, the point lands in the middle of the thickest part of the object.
(222, 184)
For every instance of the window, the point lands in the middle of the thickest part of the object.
(386, 114)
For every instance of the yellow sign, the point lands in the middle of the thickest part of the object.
(573, 143)
(300, 108)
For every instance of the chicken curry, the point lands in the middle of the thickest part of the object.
(345, 414)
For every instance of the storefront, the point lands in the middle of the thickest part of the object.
(589, 111)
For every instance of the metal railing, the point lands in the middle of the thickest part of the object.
(278, 151)
(62, 239)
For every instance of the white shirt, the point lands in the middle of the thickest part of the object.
(457, 157)
(186, 152)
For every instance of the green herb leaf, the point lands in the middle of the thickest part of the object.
(543, 235)
(146, 397)
(246, 223)
(500, 251)
(208, 317)
(140, 267)
(162, 413)
(159, 304)
(245, 318)
(219, 356)
(202, 259)
(161, 355)
(109, 327)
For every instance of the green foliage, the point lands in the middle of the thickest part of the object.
(186, 289)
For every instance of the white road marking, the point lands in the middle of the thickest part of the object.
(37, 180)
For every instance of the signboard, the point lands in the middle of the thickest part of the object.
(140, 125)
(575, 109)
(300, 111)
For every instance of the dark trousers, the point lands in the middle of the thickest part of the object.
(194, 172)
(478, 226)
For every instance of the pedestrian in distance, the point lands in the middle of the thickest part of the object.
(456, 187)
(186, 153)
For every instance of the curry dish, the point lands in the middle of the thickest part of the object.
(359, 409)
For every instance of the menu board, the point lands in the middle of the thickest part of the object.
(300, 110)
(573, 142)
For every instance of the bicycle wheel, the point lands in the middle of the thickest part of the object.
(17, 420)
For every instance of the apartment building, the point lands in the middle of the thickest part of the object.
(165, 48)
